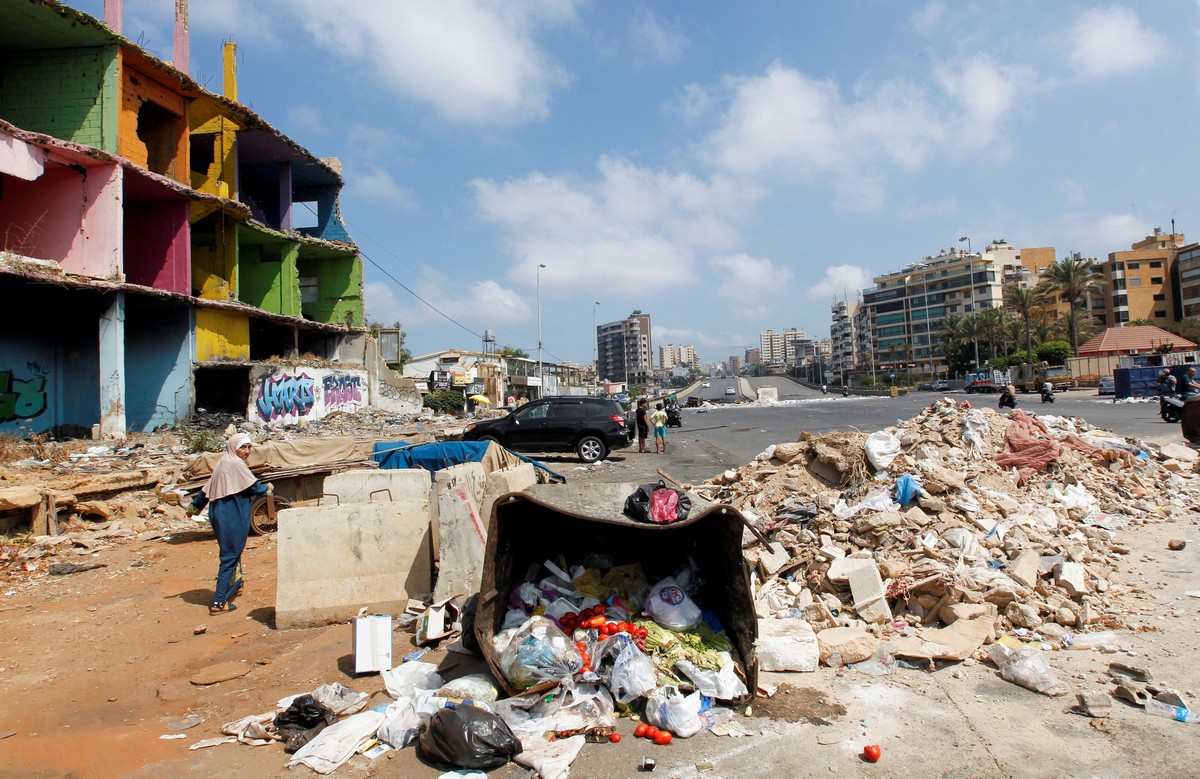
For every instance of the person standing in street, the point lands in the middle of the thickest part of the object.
(659, 420)
(228, 495)
(643, 423)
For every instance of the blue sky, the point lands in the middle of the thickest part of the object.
(726, 167)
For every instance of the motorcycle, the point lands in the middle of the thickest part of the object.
(674, 417)
(1047, 396)
(1170, 408)
(1007, 399)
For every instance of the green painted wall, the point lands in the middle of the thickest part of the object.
(67, 93)
(268, 277)
(340, 289)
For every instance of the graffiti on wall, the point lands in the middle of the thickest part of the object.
(312, 394)
(285, 396)
(22, 398)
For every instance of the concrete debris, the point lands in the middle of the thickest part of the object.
(1016, 525)
(1093, 704)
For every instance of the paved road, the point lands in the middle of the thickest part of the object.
(711, 441)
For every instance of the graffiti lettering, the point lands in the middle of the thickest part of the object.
(21, 398)
(340, 390)
(36, 369)
(285, 396)
(402, 394)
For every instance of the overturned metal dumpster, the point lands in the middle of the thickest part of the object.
(545, 522)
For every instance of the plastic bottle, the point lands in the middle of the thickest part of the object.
(1177, 713)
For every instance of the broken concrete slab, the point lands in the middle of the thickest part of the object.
(841, 568)
(851, 645)
(1184, 454)
(1025, 568)
(1093, 704)
(870, 598)
(772, 559)
(787, 645)
(334, 560)
(1073, 578)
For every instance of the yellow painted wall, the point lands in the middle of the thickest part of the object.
(138, 87)
(222, 335)
(214, 254)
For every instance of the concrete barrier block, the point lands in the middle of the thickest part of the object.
(462, 534)
(334, 560)
(470, 474)
(371, 486)
(512, 479)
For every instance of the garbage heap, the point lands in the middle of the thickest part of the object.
(944, 533)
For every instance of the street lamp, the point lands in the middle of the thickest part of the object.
(595, 338)
(974, 301)
(541, 385)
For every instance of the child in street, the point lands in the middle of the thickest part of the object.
(659, 420)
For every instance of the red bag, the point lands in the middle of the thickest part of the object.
(663, 505)
(658, 503)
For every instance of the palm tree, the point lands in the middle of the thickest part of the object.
(957, 336)
(1025, 302)
(989, 323)
(1075, 278)
(1076, 324)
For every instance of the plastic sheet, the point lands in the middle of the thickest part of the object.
(723, 685)
(405, 680)
(882, 449)
(907, 489)
(1026, 667)
(336, 743)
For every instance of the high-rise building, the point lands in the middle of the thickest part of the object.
(668, 357)
(688, 357)
(1139, 284)
(624, 349)
(779, 348)
(753, 357)
(843, 356)
(735, 364)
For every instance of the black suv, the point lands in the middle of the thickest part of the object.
(590, 427)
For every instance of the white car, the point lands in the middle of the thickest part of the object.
(705, 385)
(730, 391)
(1107, 386)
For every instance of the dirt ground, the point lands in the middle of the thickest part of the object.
(99, 665)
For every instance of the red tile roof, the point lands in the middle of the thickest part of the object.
(1133, 340)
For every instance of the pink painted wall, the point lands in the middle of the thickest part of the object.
(69, 215)
(158, 244)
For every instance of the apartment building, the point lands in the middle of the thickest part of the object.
(779, 348)
(624, 349)
(688, 357)
(1186, 275)
(668, 357)
(842, 351)
(1139, 285)
(148, 223)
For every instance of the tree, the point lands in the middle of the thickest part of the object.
(1054, 352)
(1188, 328)
(1025, 302)
(957, 337)
(512, 351)
(1074, 279)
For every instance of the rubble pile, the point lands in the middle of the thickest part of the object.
(949, 530)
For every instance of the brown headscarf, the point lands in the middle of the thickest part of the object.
(230, 476)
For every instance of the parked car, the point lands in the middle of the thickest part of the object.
(730, 391)
(1108, 386)
(941, 385)
(589, 427)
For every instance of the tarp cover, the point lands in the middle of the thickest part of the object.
(436, 456)
(297, 453)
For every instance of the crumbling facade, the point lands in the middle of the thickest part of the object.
(148, 254)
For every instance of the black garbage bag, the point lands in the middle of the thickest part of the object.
(300, 722)
(467, 737)
(658, 503)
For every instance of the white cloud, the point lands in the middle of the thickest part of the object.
(840, 281)
(752, 283)
(304, 117)
(627, 221)
(377, 184)
(473, 61)
(662, 43)
(693, 102)
(786, 123)
(235, 19)
(1097, 236)
(1112, 40)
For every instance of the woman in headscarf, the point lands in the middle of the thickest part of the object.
(228, 494)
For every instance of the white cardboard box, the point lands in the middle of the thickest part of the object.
(372, 643)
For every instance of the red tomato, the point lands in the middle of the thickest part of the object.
(872, 753)
(599, 608)
(663, 737)
(586, 614)
(582, 647)
(615, 738)
(640, 730)
(570, 616)
(652, 732)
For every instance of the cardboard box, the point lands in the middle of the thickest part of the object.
(438, 622)
(372, 643)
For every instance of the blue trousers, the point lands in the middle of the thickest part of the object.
(230, 518)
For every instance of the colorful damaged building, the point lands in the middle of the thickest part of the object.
(149, 262)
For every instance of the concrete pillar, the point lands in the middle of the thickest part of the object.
(112, 15)
(112, 369)
(230, 57)
(182, 49)
(285, 196)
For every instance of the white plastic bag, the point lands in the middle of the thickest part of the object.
(882, 448)
(336, 744)
(406, 679)
(723, 685)
(403, 719)
(1028, 668)
(632, 674)
(670, 709)
(671, 607)
(475, 687)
